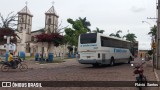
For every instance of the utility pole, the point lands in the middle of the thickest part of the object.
(158, 37)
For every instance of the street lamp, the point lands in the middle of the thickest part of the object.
(147, 23)
(7, 46)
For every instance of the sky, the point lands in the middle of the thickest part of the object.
(108, 15)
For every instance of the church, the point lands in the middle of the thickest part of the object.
(27, 45)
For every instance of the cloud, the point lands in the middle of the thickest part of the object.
(137, 9)
(144, 45)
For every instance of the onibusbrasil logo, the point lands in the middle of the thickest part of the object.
(21, 84)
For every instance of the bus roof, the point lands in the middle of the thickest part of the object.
(113, 37)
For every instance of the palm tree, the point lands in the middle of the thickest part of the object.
(117, 34)
(85, 23)
(130, 37)
(153, 32)
(98, 30)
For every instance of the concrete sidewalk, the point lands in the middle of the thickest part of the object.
(148, 69)
(149, 72)
(157, 75)
(149, 65)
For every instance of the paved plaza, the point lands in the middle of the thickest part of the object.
(71, 70)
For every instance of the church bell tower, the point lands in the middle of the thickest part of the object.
(51, 21)
(24, 30)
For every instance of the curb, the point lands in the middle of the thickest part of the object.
(157, 78)
(155, 72)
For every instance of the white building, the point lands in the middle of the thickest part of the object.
(27, 42)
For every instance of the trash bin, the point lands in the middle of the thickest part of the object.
(50, 57)
(7, 55)
(36, 56)
(69, 55)
(73, 55)
(22, 55)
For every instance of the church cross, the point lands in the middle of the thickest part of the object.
(53, 3)
(26, 3)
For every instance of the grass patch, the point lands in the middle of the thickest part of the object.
(28, 58)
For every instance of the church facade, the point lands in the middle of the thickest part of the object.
(27, 45)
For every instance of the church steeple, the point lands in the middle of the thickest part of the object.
(25, 10)
(25, 20)
(51, 20)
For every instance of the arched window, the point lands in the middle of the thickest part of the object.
(22, 19)
(49, 21)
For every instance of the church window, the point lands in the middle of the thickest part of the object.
(49, 21)
(22, 20)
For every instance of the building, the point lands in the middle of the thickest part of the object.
(27, 45)
(24, 28)
(142, 53)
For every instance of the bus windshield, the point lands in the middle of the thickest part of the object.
(88, 38)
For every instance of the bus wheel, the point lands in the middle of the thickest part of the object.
(112, 63)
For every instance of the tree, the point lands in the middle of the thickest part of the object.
(73, 33)
(117, 34)
(150, 52)
(6, 28)
(9, 21)
(85, 23)
(55, 38)
(153, 32)
(59, 28)
(98, 30)
(7, 32)
(130, 37)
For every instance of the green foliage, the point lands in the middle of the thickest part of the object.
(150, 52)
(85, 23)
(130, 37)
(72, 34)
(98, 30)
(117, 34)
(153, 31)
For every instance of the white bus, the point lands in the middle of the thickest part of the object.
(98, 49)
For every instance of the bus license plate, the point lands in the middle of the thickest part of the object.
(88, 56)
